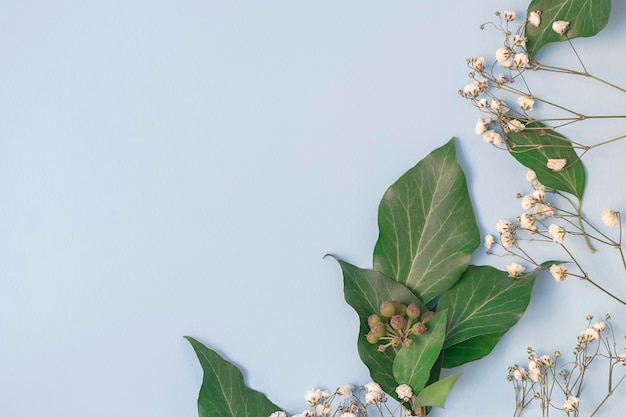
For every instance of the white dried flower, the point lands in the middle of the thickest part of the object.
(504, 56)
(531, 175)
(621, 359)
(528, 202)
(588, 335)
(483, 103)
(559, 272)
(489, 241)
(556, 164)
(527, 221)
(504, 226)
(557, 232)
(472, 90)
(520, 373)
(507, 240)
(542, 210)
(571, 404)
(520, 60)
(323, 410)
(345, 391)
(534, 18)
(538, 195)
(509, 15)
(499, 107)
(373, 387)
(348, 415)
(514, 125)
(482, 125)
(514, 269)
(492, 137)
(560, 26)
(519, 41)
(404, 392)
(534, 371)
(278, 414)
(525, 102)
(478, 64)
(610, 218)
(598, 326)
(313, 396)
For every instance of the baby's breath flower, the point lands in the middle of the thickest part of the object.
(525, 102)
(534, 18)
(483, 103)
(499, 107)
(348, 415)
(588, 335)
(472, 90)
(560, 26)
(313, 396)
(538, 195)
(610, 218)
(528, 202)
(519, 41)
(492, 137)
(520, 60)
(404, 392)
(514, 125)
(504, 57)
(323, 410)
(621, 359)
(509, 15)
(542, 210)
(507, 240)
(557, 232)
(504, 226)
(514, 269)
(345, 391)
(531, 175)
(478, 64)
(519, 373)
(489, 241)
(559, 272)
(571, 404)
(556, 164)
(527, 221)
(534, 370)
(598, 326)
(482, 125)
(278, 414)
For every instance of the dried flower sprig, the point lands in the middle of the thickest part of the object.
(560, 387)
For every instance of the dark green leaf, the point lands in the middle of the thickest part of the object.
(365, 290)
(533, 146)
(223, 392)
(427, 227)
(484, 301)
(586, 17)
(470, 350)
(413, 363)
(435, 394)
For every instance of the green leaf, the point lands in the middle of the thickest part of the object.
(586, 17)
(533, 146)
(413, 363)
(427, 229)
(435, 394)
(365, 290)
(484, 301)
(223, 392)
(470, 350)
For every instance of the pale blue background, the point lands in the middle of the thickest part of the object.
(180, 168)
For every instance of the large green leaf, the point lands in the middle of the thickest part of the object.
(223, 392)
(484, 301)
(365, 290)
(533, 146)
(586, 17)
(427, 229)
(413, 363)
(435, 394)
(470, 350)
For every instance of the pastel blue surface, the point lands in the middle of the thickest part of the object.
(181, 168)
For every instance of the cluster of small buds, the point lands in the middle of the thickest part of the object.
(396, 323)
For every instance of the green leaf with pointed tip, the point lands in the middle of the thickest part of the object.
(427, 229)
(223, 392)
(365, 290)
(435, 394)
(470, 350)
(484, 301)
(586, 17)
(413, 364)
(533, 146)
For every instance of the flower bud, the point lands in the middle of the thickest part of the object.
(374, 319)
(400, 309)
(378, 329)
(396, 322)
(412, 311)
(387, 309)
(427, 316)
(418, 329)
(407, 342)
(372, 338)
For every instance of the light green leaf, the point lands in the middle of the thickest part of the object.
(470, 350)
(533, 146)
(484, 301)
(435, 394)
(365, 290)
(586, 17)
(223, 392)
(413, 364)
(427, 229)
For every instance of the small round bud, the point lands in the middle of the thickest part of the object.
(378, 329)
(387, 309)
(396, 322)
(589, 317)
(400, 309)
(407, 342)
(412, 311)
(396, 341)
(557, 354)
(418, 329)
(372, 338)
(427, 316)
(373, 319)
